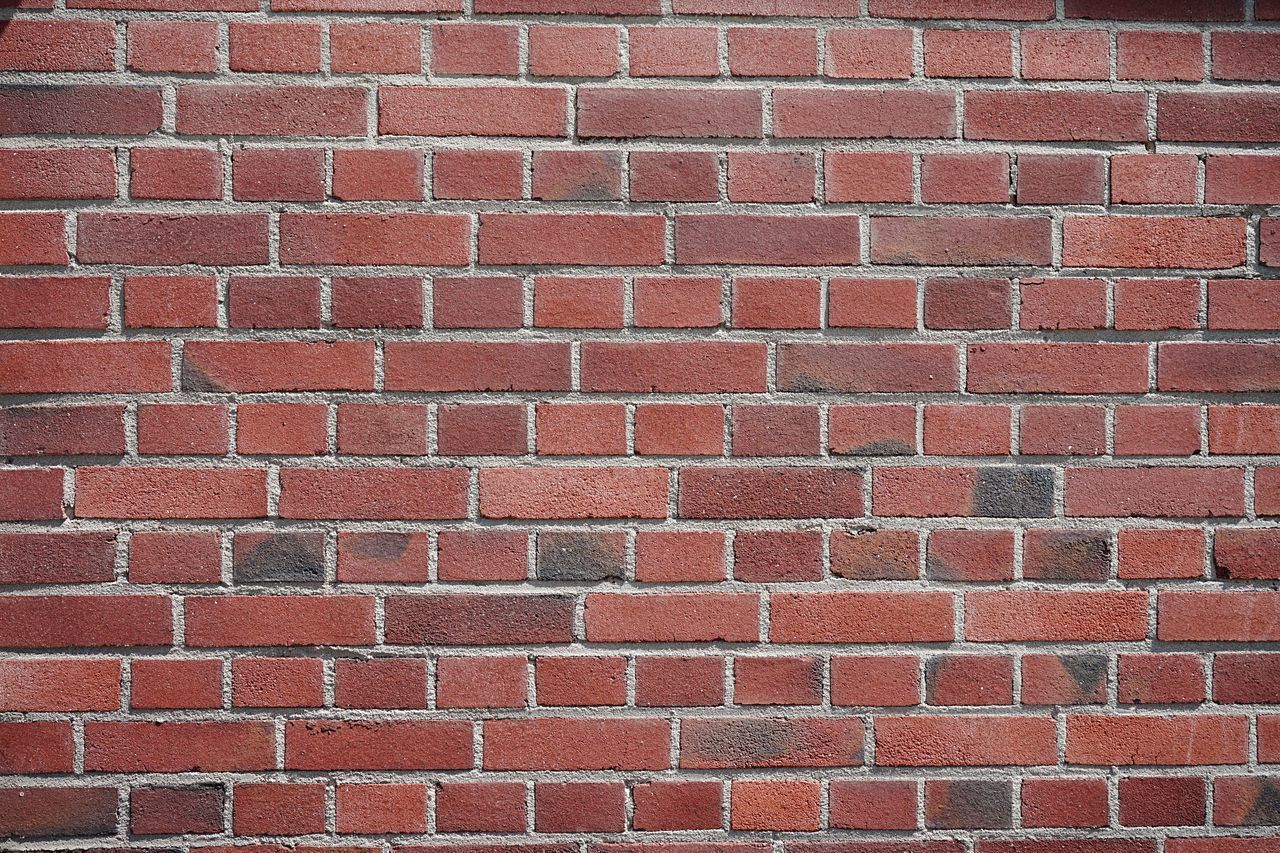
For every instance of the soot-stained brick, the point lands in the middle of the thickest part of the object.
(968, 804)
(1008, 492)
(572, 556)
(279, 557)
(1067, 555)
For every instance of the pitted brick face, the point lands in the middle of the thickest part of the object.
(640, 426)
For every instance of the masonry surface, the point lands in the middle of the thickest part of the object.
(640, 426)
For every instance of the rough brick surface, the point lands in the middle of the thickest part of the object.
(640, 426)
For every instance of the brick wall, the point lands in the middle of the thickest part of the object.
(640, 426)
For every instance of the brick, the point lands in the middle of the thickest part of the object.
(1145, 55)
(669, 112)
(775, 804)
(862, 114)
(577, 175)
(730, 742)
(150, 239)
(1062, 178)
(55, 302)
(477, 174)
(771, 240)
(869, 54)
(1058, 368)
(867, 368)
(163, 46)
(589, 239)
(968, 53)
(293, 110)
(1131, 241)
(481, 682)
(270, 808)
(478, 619)
(1064, 802)
(1042, 616)
(1157, 740)
(960, 240)
(60, 685)
(872, 804)
(1154, 492)
(58, 812)
(518, 111)
(392, 745)
(480, 807)
(773, 51)
(170, 302)
(673, 51)
(1223, 616)
(868, 177)
(83, 109)
(56, 173)
(686, 366)
(573, 51)
(965, 741)
(1216, 117)
(161, 492)
(552, 743)
(982, 492)
(856, 617)
(179, 747)
(279, 620)
(770, 493)
(1153, 179)
(672, 617)
(195, 809)
(1075, 55)
(375, 48)
(968, 804)
(33, 238)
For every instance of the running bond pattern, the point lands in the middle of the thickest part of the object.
(640, 426)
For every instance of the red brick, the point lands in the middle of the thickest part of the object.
(1027, 116)
(870, 54)
(480, 806)
(872, 430)
(164, 239)
(356, 238)
(1146, 55)
(772, 556)
(577, 175)
(1244, 616)
(1061, 178)
(165, 811)
(708, 493)
(672, 617)
(863, 114)
(33, 238)
(773, 51)
(573, 51)
(673, 51)
(579, 806)
(275, 46)
(775, 804)
(390, 745)
(1217, 117)
(679, 429)
(279, 620)
(1065, 802)
(175, 684)
(672, 805)
(872, 804)
(867, 368)
(960, 240)
(155, 492)
(588, 429)
(482, 682)
(1157, 304)
(522, 111)
(551, 743)
(477, 174)
(1159, 740)
(965, 741)
(172, 46)
(56, 173)
(965, 178)
(179, 747)
(54, 302)
(736, 742)
(685, 366)
(277, 683)
(357, 48)
(1062, 303)
(1062, 430)
(968, 53)
(861, 617)
(1066, 55)
(674, 176)
(380, 808)
(1154, 492)
(281, 428)
(248, 110)
(370, 428)
(43, 812)
(669, 112)
(479, 366)
(868, 176)
(1042, 616)
(1058, 368)
(58, 45)
(80, 109)
(60, 685)
(465, 48)
(271, 808)
(569, 238)
(577, 302)
(170, 302)
(478, 619)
